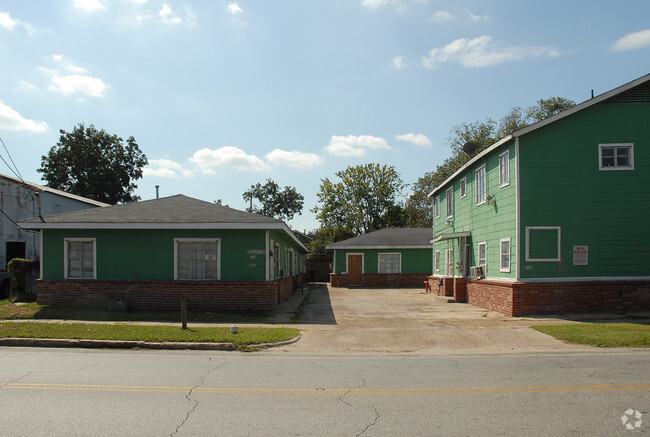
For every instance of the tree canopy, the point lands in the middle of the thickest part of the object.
(282, 205)
(94, 164)
(365, 199)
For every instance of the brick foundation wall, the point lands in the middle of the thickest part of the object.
(518, 298)
(386, 280)
(447, 288)
(166, 295)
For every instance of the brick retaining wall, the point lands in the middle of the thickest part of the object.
(166, 295)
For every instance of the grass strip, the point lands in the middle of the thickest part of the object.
(601, 334)
(149, 333)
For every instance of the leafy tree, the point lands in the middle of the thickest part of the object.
(365, 199)
(92, 163)
(275, 203)
(328, 235)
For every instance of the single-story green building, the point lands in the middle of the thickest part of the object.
(391, 257)
(155, 252)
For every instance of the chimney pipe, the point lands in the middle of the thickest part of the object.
(157, 191)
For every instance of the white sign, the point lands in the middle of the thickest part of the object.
(580, 255)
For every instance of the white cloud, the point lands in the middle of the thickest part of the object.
(481, 52)
(206, 160)
(417, 139)
(295, 159)
(633, 41)
(398, 63)
(77, 83)
(374, 4)
(7, 22)
(10, 119)
(27, 86)
(88, 5)
(475, 17)
(234, 9)
(440, 16)
(167, 15)
(356, 146)
(166, 168)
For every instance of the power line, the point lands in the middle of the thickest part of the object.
(16, 172)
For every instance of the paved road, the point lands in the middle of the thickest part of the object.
(64, 392)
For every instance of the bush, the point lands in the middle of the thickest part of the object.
(19, 270)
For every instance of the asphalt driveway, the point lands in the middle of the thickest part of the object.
(409, 321)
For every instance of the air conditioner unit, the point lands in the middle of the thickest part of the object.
(477, 272)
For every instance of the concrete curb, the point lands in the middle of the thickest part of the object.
(119, 344)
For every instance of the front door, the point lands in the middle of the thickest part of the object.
(354, 269)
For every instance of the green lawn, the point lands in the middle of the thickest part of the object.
(149, 333)
(601, 334)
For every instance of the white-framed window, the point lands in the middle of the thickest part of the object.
(390, 263)
(80, 258)
(449, 270)
(504, 169)
(450, 202)
(437, 266)
(505, 254)
(463, 187)
(481, 187)
(543, 243)
(197, 259)
(618, 156)
(436, 205)
(482, 254)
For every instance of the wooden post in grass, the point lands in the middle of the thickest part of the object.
(184, 313)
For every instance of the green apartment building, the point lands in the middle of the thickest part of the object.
(553, 218)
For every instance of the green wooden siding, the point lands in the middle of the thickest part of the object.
(608, 211)
(149, 254)
(413, 260)
(487, 222)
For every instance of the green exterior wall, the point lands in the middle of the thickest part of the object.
(149, 254)
(608, 211)
(413, 260)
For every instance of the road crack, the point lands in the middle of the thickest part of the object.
(377, 415)
(195, 402)
(3, 385)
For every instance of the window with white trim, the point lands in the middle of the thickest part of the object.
(436, 204)
(616, 156)
(463, 187)
(481, 187)
(482, 254)
(450, 202)
(449, 271)
(197, 259)
(79, 258)
(390, 263)
(504, 169)
(437, 260)
(505, 254)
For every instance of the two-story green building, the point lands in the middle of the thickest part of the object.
(553, 218)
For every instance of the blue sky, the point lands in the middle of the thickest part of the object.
(221, 95)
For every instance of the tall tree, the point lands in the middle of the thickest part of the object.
(365, 199)
(282, 205)
(328, 235)
(92, 163)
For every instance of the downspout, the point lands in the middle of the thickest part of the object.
(517, 214)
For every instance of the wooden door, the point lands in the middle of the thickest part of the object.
(354, 269)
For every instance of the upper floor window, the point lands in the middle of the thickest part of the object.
(481, 188)
(463, 187)
(616, 156)
(504, 169)
(436, 204)
(450, 202)
(79, 258)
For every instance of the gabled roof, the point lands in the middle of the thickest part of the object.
(579, 107)
(44, 189)
(389, 238)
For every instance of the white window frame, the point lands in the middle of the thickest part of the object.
(559, 243)
(449, 262)
(481, 195)
(615, 146)
(196, 240)
(463, 187)
(399, 265)
(504, 169)
(450, 202)
(437, 261)
(478, 255)
(437, 206)
(504, 267)
(66, 263)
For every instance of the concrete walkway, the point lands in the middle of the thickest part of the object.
(408, 321)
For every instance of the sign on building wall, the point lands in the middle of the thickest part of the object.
(580, 255)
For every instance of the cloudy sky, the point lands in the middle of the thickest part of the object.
(221, 95)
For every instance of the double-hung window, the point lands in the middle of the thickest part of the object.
(616, 156)
(79, 258)
(449, 271)
(437, 266)
(450, 202)
(463, 187)
(505, 254)
(481, 187)
(504, 169)
(436, 204)
(482, 254)
(197, 259)
(390, 263)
